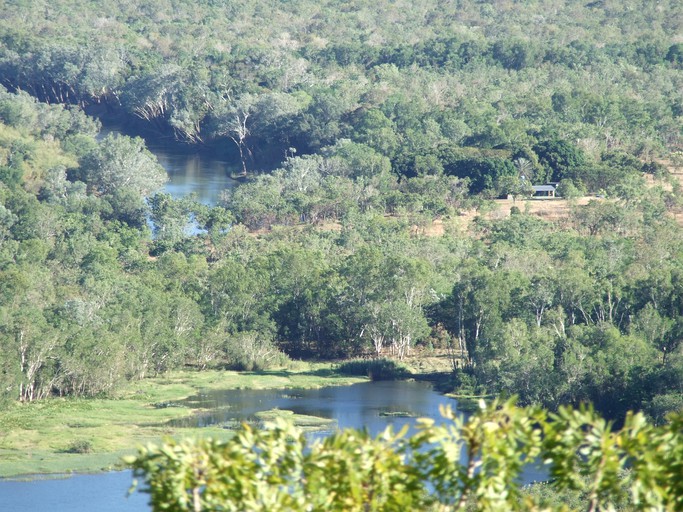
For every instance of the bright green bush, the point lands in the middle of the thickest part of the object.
(456, 464)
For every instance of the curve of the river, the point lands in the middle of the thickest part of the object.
(359, 405)
(202, 172)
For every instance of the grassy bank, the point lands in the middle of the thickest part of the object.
(87, 435)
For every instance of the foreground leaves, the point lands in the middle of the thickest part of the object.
(453, 464)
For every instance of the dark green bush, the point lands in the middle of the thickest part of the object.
(375, 369)
(81, 446)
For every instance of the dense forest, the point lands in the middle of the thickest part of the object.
(358, 127)
(271, 77)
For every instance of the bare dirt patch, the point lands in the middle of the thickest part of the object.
(556, 210)
(553, 209)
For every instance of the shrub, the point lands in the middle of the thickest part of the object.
(456, 463)
(81, 446)
(253, 351)
(568, 189)
(375, 369)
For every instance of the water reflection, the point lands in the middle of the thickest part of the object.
(359, 405)
(200, 173)
(190, 170)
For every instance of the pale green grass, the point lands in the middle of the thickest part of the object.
(38, 437)
(303, 421)
(397, 414)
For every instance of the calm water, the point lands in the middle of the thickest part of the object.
(201, 173)
(104, 492)
(359, 405)
(190, 171)
(356, 406)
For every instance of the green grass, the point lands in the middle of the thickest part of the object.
(303, 421)
(41, 437)
(14, 464)
(468, 402)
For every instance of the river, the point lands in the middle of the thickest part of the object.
(367, 404)
(359, 405)
(200, 171)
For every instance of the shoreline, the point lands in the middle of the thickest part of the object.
(68, 436)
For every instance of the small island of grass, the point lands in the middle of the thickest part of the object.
(304, 422)
(397, 414)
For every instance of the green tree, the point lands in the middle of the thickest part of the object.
(567, 189)
(29, 346)
(121, 162)
(559, 157)
(514, 186)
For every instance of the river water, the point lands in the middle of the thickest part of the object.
(369, 404)
(203, 172)
(104, 492)
(359, 405)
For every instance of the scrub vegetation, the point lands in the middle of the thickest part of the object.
(448, 465)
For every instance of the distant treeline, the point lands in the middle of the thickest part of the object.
(407, 80)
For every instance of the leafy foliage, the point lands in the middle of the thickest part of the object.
(375, 369)
(459, 463)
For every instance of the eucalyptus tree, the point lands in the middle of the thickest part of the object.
(170, 96)
(29, 345)
(121, 162)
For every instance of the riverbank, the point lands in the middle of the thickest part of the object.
(64, 435)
